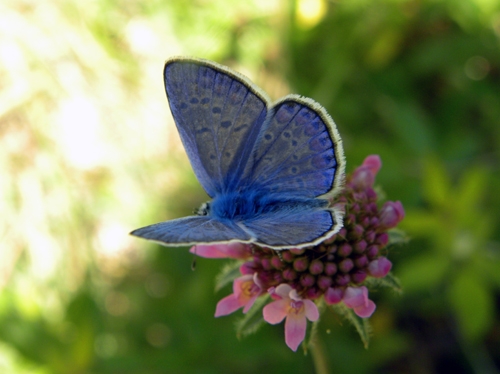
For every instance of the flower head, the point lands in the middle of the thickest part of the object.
(296, 311)
(335, 269)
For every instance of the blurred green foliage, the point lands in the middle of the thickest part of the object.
(89, 152)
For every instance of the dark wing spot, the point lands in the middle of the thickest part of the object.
(194, 100)
(226, 124)
(216, 109)
(205, 100)
(183, 106)
(268, 137)
(236, 129)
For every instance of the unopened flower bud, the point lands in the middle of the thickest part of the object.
(301, 264)
(391, 214)
(330, 268)
(345, 250)
(307, 280)
(358, 277)
(289, 274)
(346, 265)
(380, 267)
(316, 267)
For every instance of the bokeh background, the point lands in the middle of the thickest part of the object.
(89, 151)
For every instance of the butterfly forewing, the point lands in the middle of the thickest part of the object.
(218, 114)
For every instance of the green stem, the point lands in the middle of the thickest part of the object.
(319, 358)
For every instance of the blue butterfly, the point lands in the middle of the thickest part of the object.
(268, 167)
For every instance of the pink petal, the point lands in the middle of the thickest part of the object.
(283, 290)
(232, 250)
(228, 305)
(295, 331)
(250, 302)
(374, 163)
(357, 299)
(248, 267)
(380, 267)
(276, 311)
(312, 312)
(208, 251)
(365, 310)
(272, 292)
(238, 283)
(355, 296)
(362, 178)
(334, 295)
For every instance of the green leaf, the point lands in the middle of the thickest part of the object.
(362, 325)
(253, 319)
(228, 274)
(389, 281)
(488, 264)
(397, 237)
(471, 190)
(436, 183)
(424, 272)
(473, 305)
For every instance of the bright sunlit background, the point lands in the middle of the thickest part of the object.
(89, 151)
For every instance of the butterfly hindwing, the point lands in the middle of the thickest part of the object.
(287, 230)
(192, 230)
(219, 114)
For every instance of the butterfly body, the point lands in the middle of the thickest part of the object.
(245, 206)
(268, 167)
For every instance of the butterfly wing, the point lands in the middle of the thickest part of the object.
(219, 114)
(299, 151)
(296, 229)
(192, 230)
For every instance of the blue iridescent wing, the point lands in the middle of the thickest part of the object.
(219, 114)
(283, 229)
(299, 151)
(192, 230)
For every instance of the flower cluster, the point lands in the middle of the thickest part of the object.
(335, 269)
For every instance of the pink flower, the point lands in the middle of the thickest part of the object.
(357, 299)
(391, 214)
(364, 175)
(232, 250)
(380, 267)
(246, 289)
(296, 310)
